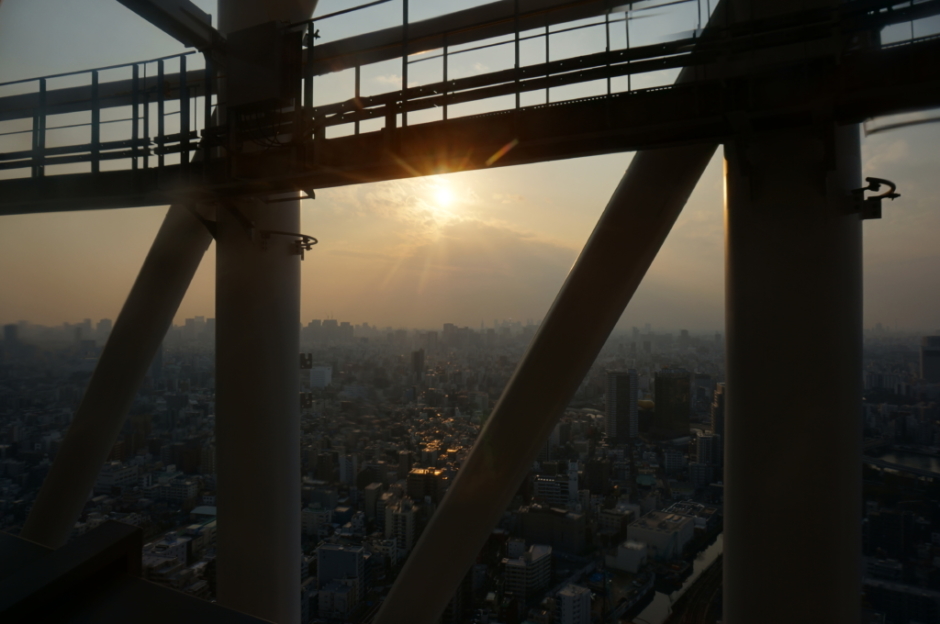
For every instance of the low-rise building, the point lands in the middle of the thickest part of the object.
(115, 474)
(665, 534)
(631, 557)
(529, 574)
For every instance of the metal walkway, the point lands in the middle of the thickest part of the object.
(840, 72)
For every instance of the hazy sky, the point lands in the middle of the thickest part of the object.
(459, 248)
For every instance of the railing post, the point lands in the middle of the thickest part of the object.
(184, 115)
(607, 48)
(146, 120)
(548, 59)
(39, 133)
(95, 124)
(207, 114)
(626, 21)
(161, 111)
(135, 118)
(358, 96)
(516, 65)
(446, 90)
(308, 80)
(404, 66)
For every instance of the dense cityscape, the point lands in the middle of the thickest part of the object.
(620, 515)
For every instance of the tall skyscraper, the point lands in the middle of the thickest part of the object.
(417, 365)
(622, 419)
(718, 410)
(673, 403)
(930, 359)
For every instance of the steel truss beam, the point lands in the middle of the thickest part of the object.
(140, 327)
(863, 84)
(181, 19)
(623, 245)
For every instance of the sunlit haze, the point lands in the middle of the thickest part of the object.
(458, 248)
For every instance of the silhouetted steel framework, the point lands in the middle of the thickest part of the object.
(781, 88)
(851, 76)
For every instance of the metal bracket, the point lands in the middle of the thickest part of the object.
(870, 207)
(303, 243)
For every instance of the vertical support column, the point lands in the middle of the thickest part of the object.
(793, 312)
(258, 414)
(792, 545)
(257, 386)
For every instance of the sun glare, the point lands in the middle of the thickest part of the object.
(444, 197)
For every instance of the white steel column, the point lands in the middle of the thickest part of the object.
(792, 545)
(257, 390)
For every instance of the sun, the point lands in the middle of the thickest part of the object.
(444, 197)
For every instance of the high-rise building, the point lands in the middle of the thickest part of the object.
(574, 605)
(422, 482)
(685, 340)
(417, 365)
(718, 410)
(710, 450)
(622, 418)
(400, 524)
(930, 359)
(673, 403)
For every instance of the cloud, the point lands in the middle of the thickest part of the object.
(468, 270)
(393, 80)
(508, 198)
(880, 154)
